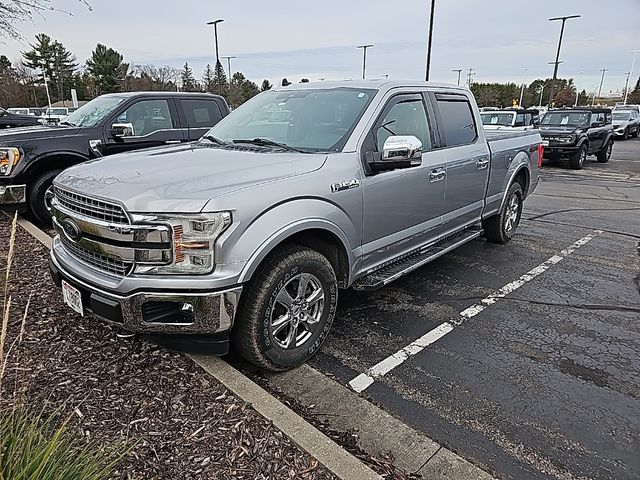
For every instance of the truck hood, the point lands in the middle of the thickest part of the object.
(182, 179)
(559, 130)
(16, 137)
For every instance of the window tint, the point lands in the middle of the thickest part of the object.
(147, 116)
(201, 113)
(458, 123)
(407, 117)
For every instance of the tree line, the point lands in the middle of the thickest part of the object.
(105, 71)
(537, 93)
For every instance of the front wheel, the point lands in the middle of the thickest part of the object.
(501, 227)
(287, 309)
(604, 155)
(40, 196)
(577, 160)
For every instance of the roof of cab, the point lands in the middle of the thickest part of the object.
(377, 84)
(158, 94)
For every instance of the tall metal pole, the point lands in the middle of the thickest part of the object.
(522, 90)
(364, 58)
(433, 7)
(215, 36)
(229, 64)
(557, 62)
(577, 94)
(541, 92)
(633, 63)
(459, 70)
(604, 70)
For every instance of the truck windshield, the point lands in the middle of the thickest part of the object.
(92, 113)
(621, 116)
(504, 119)
(310, 120)
(572, 119)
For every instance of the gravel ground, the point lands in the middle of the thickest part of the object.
(183, 424)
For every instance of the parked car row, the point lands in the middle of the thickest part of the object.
(246, 234)
(30, 158)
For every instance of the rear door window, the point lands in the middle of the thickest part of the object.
(457, 121)
(201, 113)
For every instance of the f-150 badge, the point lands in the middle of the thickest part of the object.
(345, 185)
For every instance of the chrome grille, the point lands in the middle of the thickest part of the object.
(97, 260)
(90, 207)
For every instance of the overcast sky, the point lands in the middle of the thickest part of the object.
(314, 39)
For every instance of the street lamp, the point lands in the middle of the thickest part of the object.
(364, 58)
(541, 91)
(433, 7)
(522, 90)
(626, 88)
(555, 69)
(459, 70)
(552, 83)
(577, 94)
(229, 64)
(215, 35)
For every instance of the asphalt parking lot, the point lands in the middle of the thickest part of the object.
(537, 374)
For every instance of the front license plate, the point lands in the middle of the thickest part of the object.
(545, 143)
(72, 297)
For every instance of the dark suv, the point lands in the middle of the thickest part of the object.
(119, 122)
(574, 133)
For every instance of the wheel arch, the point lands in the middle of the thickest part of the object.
(53, 161)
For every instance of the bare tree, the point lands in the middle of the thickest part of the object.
(13, 12)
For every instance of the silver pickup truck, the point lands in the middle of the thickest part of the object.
(247, 235)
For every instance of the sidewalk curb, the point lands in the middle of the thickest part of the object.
(331, 455)
(379, 432)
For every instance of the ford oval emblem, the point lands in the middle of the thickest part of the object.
(71, 229)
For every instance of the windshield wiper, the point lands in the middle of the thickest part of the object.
(265, 142)
(67, 123)
(213, 139)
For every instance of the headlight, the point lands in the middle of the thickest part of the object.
(194, 238)
(43, 121)
(9, 158)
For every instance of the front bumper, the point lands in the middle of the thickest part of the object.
(13, 194)
(157, 312)
(558, 150)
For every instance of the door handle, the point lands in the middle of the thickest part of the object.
(437, 174)
(170, 142)
(482, 163)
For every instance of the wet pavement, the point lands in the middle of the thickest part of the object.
(545, 383)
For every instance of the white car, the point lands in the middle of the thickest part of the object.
(510, 119)
(55, 114)
(626, 123)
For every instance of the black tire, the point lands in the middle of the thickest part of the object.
(38, 197)
(636, 133)
(576, 162)
(604, 155)
(625, 135)
(255, 334)
(497, 228)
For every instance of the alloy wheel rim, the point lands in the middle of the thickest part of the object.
(609, 149)
(297, 311)
(511, 218)
(583, 156)
(48, 198)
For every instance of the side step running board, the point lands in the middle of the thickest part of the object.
(388, 274)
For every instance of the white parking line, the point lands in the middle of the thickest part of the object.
(364, 380)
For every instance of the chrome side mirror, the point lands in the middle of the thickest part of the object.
(402, 148)
(121, 130)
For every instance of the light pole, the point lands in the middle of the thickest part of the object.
(541, 92)
(604, 70)
(577, 94)
(626, 88)
(46, 85)
(215, 35)
(552, 83)
(557, 62)
(433, 7)
(229, 64)
(522, 90)
(459, 70)
(364, 58)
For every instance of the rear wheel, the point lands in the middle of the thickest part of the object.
(625, 135)
(40, 196)
(501, 227)
(287, 309)
(604, 155)
(577, 159)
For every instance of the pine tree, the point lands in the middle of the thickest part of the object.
(52, 59)
(266, 85)
(107, 67)
(221, 85)
(241, 89)
(208, 80)
(189, 83)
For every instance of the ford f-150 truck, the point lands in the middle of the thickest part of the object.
(248, 234)
(31, 157)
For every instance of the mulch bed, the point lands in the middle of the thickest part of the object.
(181, 422)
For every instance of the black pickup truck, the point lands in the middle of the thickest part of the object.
(575, 133)
(31, 157)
